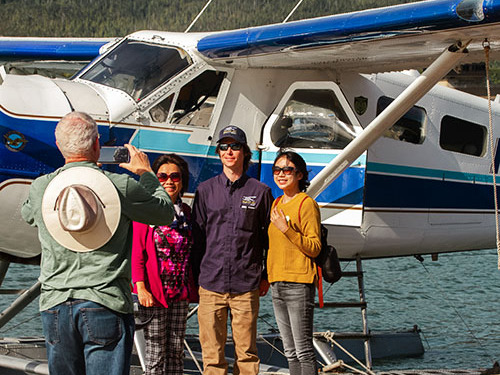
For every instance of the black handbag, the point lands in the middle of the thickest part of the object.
(328, 259)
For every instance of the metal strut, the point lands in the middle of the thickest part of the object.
(365, 335)
(362, 299)
(407, 99)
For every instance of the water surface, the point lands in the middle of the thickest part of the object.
(454, 301)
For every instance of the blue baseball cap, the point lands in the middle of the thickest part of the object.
(234, 132)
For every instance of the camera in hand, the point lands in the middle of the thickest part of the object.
(114, 155)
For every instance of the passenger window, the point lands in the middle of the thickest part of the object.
(313, 119)
(195, 102)
(409, 128)
(462, 136)
(160, 111)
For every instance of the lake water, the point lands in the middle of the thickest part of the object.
(454, 301)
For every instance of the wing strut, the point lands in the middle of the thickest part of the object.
(198, 16)
(407, 99)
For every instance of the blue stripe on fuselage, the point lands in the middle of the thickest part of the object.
(386, 191)
(346, 189)
(40, 155)
(315, 158)
(176, 142)
(387, 186)
(395, 186)
(427, 173)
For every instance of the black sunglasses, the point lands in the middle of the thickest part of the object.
(175, 176)
(286, 170)
(234, 146)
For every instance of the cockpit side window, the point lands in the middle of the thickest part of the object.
(195, 102)
(138, 67)
(409, 128)
(313, 119)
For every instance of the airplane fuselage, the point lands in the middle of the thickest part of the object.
(424, 187)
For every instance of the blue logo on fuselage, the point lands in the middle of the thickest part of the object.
(14, 141)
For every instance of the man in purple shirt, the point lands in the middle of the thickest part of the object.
(230, 220)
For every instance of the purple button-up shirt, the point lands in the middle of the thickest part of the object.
(230, 223)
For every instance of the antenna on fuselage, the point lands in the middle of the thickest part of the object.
(293, 11)
(198, 16)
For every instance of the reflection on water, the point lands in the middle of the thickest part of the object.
(453, 301)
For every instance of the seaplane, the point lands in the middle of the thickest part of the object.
(400, 165)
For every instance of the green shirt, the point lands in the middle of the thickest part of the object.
(103, 275)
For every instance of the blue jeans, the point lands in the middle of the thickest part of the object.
(85, 338)
(294, 309)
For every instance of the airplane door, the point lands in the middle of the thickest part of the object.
(315, 120)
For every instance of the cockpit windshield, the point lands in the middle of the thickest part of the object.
(138, 67)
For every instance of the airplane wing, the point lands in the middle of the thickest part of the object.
(75, 49)
(392, 38)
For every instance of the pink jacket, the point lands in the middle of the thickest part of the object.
(144, 263)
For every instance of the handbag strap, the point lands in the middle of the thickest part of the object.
(319, 270)
(300, 206)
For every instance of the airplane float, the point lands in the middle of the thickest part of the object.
(399, 165)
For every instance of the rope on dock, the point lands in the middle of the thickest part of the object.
(486, 47)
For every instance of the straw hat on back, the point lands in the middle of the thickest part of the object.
(81, 209)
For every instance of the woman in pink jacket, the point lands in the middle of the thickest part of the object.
(160, 272)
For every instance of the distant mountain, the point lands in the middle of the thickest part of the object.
(107, 18)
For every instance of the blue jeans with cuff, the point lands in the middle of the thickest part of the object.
(294, 309)
(86, 338)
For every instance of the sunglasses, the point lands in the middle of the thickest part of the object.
(175, 176)
(286, 170)
(234, 146)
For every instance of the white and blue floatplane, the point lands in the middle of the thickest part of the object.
(401, 166)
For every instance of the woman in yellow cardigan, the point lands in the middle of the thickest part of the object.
(294, 242)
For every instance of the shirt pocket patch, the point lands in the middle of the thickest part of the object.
(247, 218)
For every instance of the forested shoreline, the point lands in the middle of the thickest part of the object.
(110, 18)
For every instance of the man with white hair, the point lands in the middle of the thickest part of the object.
(84, 217)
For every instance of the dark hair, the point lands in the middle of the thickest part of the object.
(247, 155)
(300, 166)
(177, 160)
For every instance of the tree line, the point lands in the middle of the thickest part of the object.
(111, 18)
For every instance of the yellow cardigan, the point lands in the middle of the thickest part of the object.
(290, 256)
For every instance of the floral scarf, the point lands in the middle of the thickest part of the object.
(173, 245)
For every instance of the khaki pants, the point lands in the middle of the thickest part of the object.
(212, 317)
